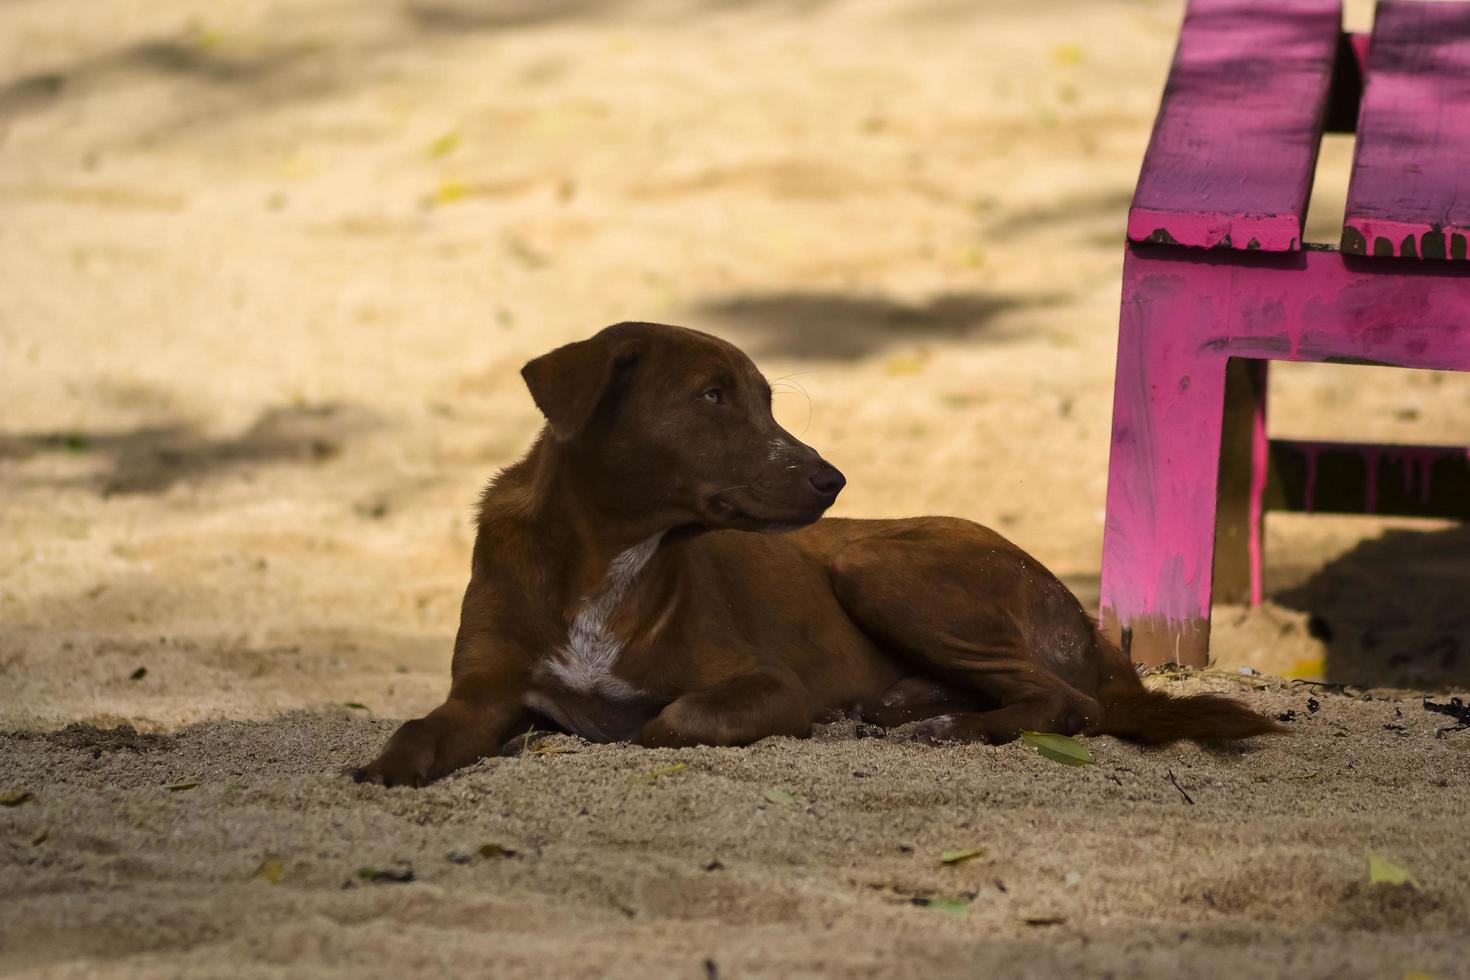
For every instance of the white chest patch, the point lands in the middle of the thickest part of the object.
(584, 663)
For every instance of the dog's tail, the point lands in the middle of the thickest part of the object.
(1133, 712)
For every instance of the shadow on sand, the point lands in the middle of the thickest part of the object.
(1394, 611)
(150, 459)
(842, 326)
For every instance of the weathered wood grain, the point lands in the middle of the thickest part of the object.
(1185, 313)
(1410, 189)
(1234, 147)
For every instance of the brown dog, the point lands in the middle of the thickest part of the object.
(620, 588)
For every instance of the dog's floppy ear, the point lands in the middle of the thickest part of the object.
(570, 382)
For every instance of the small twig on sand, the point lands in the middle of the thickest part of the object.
(1456, 709)
(1187, 798)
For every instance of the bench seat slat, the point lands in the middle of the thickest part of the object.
(1234, 146)
(1410, 189)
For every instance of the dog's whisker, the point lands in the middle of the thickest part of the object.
(795, 386)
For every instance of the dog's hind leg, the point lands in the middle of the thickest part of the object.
(964, 606)
(742, 710)
(914, 699)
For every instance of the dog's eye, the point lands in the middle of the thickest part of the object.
(712, 395)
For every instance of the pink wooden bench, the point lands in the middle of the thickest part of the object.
(1217, 282)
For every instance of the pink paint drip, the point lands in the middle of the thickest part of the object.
(1224, 166)
(1418, 468)
(1294, 321)
(1413, 130)
(1402, 460)
(1260, 462)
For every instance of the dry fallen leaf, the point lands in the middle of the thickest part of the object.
(1067, 54)
(653, 776)
(449, 192)
(961, 856)
(780, 797)
(496, 851)
(906, 363)
(444, 145)
(972, 256)
(1314, 668)
(1382, 871)
(207, 39)
(271, 870)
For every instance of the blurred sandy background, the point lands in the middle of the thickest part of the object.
(268, 271)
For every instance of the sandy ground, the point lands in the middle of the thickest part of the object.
(267, 273)
(790, 858)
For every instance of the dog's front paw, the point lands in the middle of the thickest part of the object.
(964, 726)
(938, 730)
(407, 760)
(949, 729)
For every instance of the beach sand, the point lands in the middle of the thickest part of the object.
(268, 273)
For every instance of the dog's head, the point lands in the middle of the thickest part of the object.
(677, 423)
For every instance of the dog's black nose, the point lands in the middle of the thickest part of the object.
(828, 480)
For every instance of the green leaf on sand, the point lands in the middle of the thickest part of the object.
(1382, 871)
(780, 797)
(14, 797)
(961, 856)
(355, 705)
(957, 907)
(1059, 748)
(496, 851)
(180, 787)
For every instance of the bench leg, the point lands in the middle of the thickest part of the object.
(1244, 458)
(1168, 413)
